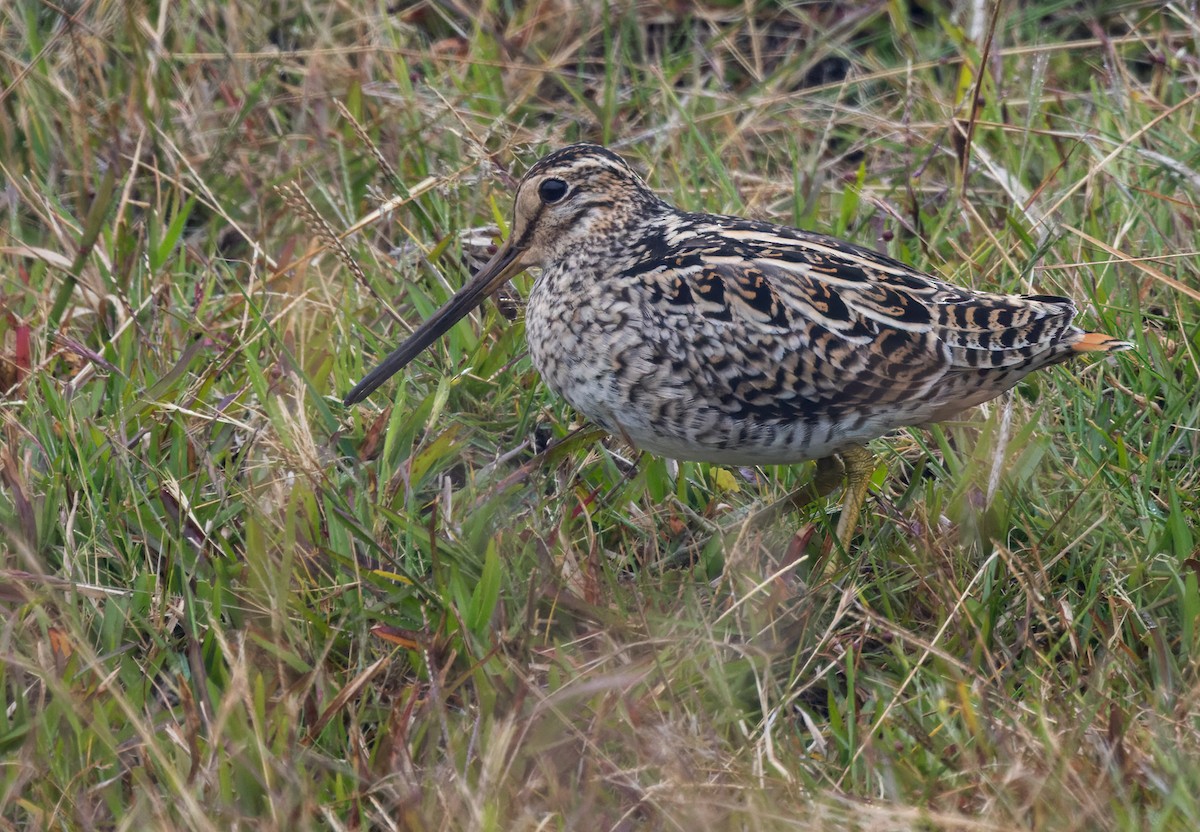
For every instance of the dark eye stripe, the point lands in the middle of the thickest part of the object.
(530, 228)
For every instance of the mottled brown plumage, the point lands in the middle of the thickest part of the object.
(727, 340)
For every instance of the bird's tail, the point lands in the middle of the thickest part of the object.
(1099, 342)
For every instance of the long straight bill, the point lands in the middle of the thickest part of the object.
(503, 265)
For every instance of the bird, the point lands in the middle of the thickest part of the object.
(720, 339)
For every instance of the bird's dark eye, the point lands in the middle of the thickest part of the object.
(552, 190)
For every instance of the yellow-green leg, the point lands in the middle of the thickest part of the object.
(826, 479)
(860, 465)
(853, 468)
(829, 475)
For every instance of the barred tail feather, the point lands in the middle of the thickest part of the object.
(1099, 342)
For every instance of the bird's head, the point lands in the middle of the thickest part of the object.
(582, 196)
(575, 198)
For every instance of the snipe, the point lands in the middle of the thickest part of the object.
(726, 340)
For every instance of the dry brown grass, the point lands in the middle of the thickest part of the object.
(231, 604)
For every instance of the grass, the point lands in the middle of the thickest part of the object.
(229, 602)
